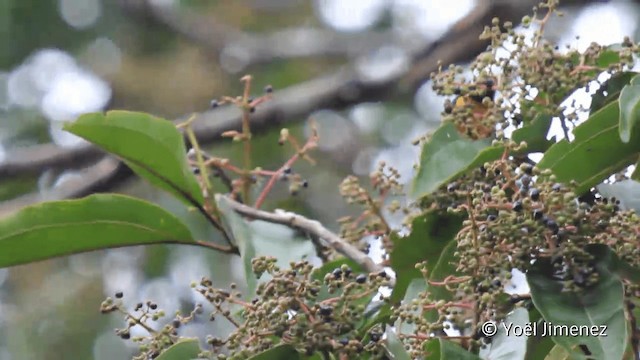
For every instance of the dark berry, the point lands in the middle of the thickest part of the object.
(195, 170)
(452, 187)
(344, 341)
(383, 274)
(337, 273)
(119, 295)
(347, 271)
(305, 184)
(517, 205)
(537, 214)
(534, 194)
(528, 169)
(268, 89)
(125, 335)
(483, 170)
(553, 226)
(457, 91)
(491, 217)
(361, 279)
(375, 337)
(287, 170)
(556, 187)
(252, 109)
(176, 324)
(153, 306)
(489, 83)
(526, 180)
(325, 310)
(496, 283)
(214, 104)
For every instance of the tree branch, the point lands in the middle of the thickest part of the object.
(311, 227)
(345, 87)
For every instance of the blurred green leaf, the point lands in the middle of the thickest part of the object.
(535, 134)
(627, 191)
(448, 154)
(280, 352)
(152, 147)
(261, 238)
(187, 349)
(595, 154)
(431, 233)
(609, 56)
(629, 111)
(441, 349)
(504, 347)
(96, 222)
(610, 90)
(538, 347)
(395, 347)
(599, 305)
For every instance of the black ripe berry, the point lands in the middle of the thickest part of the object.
(361, 279)
(268, 89)
(305, 184)
(534, 194)
(537, 214)
(337, 273)
(214, 104)
(517, 205)
(491, 217)
(528, 169)
(556, 187)
(325, 310)
(153, 306)
(119, 295)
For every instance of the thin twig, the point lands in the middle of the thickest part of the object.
(312, 227)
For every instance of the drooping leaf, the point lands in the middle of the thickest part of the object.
(538, 346)
(534, 134)
(430, 234)
(627, 191)
(395, 347)
(261, 238)
(446, 155)
(187, 349)
(599, 305)
(441, 349)
(280, 352)
(152, 147)
(508, 346)
(610, 90)
(629, 111)
(595, 153)
(99, 221)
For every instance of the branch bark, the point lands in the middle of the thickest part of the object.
(311, 227)
(345, 87)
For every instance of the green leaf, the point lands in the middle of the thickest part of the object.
(99, 221)
(538, 347)
(610, 90)
(534, 134)
(608, 57)
(629, 111)
(627, 191)
(508, 347)
(261, 238)
(186, 349)
(440, 349)
(280, 352)
(598, 305)
(430, 234)
(595, 154)
(447, 155)
(395, 347)
(152, 147)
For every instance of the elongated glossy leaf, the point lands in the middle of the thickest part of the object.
(440, 349)
(430, 234)
(629, 111)
(261, 238)
(610, 90)
(152, 147)
(280, 352)
(187, 349)
(596, 152)
(534, 134)
(627, 191)
(100, 221)
(508, 346)
(446, 155)
(599, 305)
(538, 346)
(395, 347)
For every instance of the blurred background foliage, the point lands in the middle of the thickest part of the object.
(61, 58)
